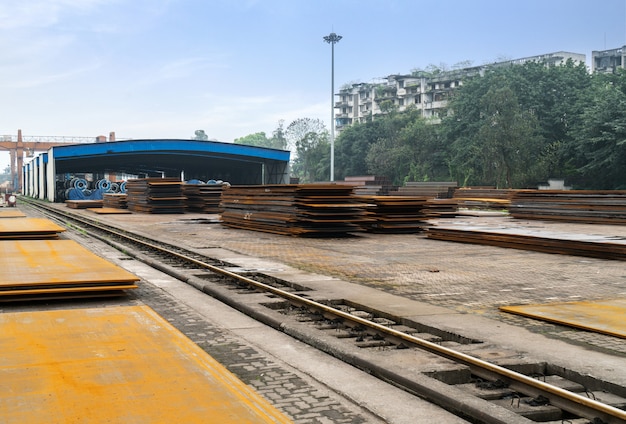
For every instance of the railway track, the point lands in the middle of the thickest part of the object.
(504, 395)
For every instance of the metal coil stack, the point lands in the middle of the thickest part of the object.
(81, 189)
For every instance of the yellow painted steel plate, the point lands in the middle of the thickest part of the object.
(115, 365)
(11, 213)
(36, 263)
(28, 226)
(57, 290)
(107, 211)
(606, 317)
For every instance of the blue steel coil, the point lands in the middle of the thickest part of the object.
(80, 184)
(103, 185)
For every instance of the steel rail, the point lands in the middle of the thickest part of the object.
(572, 402)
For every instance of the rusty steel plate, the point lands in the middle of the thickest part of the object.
(115, 365)
(28, 226)
(11, 213)
(604, 316)
(60, 263)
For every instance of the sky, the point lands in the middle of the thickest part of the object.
(166, 68)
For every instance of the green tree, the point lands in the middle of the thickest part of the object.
(260, 139)
(601, 140)
(426, 152)
(257, 139)
(310, 139)
(278, 140)
(200, 135)
(352, 146)
(507, 141)
(407, 148)
(550, 101)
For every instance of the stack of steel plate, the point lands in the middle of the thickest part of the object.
(587, 206)
(395, 214)
(155, 195)
(483, 198)
(441, 208)
(34, 269)
(114, 200)
(203, 197)
(433, 189)
(528, 239)
(293, 209)
(368, 185)
(83, 204)
(29, 228)
(11, 213)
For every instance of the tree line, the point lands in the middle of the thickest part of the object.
(511, 126)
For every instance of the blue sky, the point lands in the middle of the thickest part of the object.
(165, 68)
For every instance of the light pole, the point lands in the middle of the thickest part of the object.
(332, 38)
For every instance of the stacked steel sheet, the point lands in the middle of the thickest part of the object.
(83, 204)
(29, 228)
(11, 213)
(586, 206)
(293, 209)
(155, 195)
(527, 239)
(441, 208)
(36, 265)
(115, 200)
(203, 198)
(404, 214)
(395, 214)
(43, 269)
(483, 198)
(368, 185)
(433, 189)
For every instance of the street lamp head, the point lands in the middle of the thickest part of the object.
(332, 38)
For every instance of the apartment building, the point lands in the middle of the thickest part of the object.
(608, 60)
(428, 92)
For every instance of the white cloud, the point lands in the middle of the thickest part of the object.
(31, 81)
(16, 14)
(180, 69)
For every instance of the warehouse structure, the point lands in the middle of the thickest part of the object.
(48, 173)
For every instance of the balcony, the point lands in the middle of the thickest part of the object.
(435, 105)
